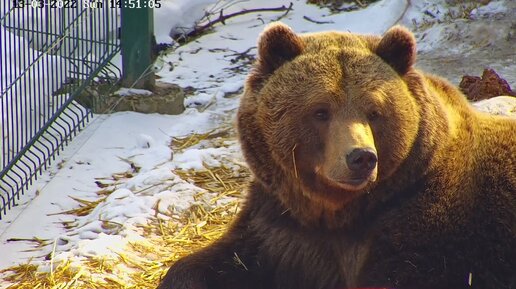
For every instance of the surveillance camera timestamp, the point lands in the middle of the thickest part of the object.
(131, 4)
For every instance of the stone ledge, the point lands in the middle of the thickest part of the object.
(165, 99)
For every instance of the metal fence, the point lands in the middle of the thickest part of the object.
(50, 51)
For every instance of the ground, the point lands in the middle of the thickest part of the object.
(135, 192)
(460, 46)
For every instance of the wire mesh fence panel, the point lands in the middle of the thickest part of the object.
(50, 52)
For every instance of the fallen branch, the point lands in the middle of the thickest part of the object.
(284, 14)
(360, 3)
(222, 19)
(317, 22)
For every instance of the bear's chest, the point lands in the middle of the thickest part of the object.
(312, 259)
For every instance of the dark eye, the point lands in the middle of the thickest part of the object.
(322, 114)
(373, 115)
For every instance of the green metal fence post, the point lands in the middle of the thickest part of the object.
(136, 40)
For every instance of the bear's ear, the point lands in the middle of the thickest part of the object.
(277, 44)
(398, 48)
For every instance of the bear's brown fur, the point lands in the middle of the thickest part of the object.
(367, 173)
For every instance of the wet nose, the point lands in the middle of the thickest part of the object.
(361, 160)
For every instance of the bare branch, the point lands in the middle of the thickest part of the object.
(317, 22)
(286, 12)
(222, 19)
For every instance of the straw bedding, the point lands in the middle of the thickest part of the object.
(143, 263)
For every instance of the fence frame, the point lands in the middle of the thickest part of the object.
(22, 161)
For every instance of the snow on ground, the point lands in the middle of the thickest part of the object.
(464, 38)
(225, 49)
(12, 66)
(501, 105)
(136, 148)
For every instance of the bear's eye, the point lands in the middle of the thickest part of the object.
(373, 115)
(322, 114)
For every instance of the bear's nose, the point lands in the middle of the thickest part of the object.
(362, 160)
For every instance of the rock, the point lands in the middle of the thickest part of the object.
(165, 99)
(489, 85)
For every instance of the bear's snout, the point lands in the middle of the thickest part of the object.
(361, 162)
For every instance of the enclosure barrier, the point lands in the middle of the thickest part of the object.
(50, 51)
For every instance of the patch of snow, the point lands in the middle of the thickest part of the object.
(196, 158)
(199, 100)
(132, 91)
(500, 105)
(145, 141)
(178, 17)
(492, 9)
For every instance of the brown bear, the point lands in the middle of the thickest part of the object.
(367, 173)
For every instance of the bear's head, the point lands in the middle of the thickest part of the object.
(326, 116)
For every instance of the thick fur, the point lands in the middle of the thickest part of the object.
(440, 214)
